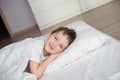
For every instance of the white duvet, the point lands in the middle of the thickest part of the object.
(13, 61)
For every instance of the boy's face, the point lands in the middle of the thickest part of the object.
(56, 43)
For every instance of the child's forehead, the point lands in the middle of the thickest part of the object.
(62, 34)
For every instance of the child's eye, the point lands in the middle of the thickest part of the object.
(55, 38)
(61, 46)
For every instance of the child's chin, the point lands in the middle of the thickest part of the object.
(52, 53)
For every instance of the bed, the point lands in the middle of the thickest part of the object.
(102, 63)
(92, 56)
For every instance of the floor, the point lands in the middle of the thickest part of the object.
(105, 18)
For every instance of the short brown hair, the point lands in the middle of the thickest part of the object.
(70, 32)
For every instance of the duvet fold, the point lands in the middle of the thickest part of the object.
(13, 61)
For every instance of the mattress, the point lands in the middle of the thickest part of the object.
(100, 64)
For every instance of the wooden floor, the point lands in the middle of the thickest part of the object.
(105, 18)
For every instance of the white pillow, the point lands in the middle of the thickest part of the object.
(88, 39)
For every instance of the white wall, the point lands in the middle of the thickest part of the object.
(18, 14)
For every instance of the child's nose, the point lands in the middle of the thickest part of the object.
(55, 44)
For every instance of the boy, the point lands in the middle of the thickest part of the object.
(56, 43)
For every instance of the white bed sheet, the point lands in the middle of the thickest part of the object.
(102, 64)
